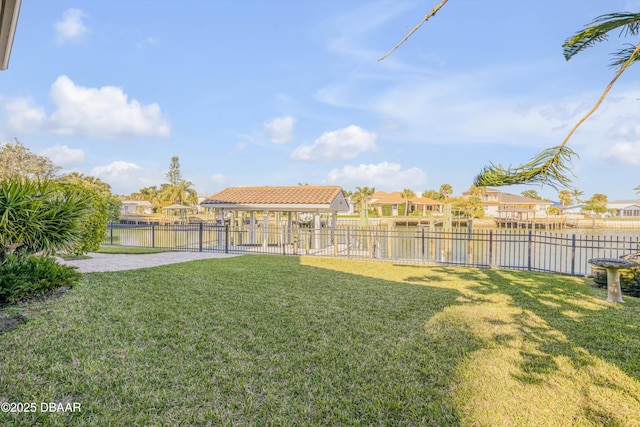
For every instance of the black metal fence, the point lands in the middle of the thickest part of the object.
(564, 253)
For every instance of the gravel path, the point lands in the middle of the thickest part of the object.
(119, 262)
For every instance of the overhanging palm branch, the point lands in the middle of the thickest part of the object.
(552, 165)
(598, 30)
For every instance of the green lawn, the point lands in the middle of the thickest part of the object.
(266, 340)
(129, 250)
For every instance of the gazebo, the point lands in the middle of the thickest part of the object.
(176, 210)
(306, 202)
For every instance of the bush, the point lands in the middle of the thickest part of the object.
(22, 278)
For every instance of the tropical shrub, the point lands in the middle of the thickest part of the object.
(38, 217)
(93, 221)
(22, 278)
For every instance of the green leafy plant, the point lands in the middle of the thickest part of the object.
(37, 217)
(24, 278)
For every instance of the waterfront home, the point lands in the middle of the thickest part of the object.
(135, 207)
(624, 208)
(498, 204)
(388, 204)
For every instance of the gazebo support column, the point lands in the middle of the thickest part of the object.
(316, 226)
(252, 228)
(289, 227)
(265, 229)
(334, 225)
(220, 221)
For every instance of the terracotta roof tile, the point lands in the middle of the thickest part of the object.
(269, 195)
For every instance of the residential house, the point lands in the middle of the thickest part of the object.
(498, 204)
(135, 207)
(624, 208)
(389, 203)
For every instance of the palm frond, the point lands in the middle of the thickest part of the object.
(598, 30)
(621, 57)
(551, 167)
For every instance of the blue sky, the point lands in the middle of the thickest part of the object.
(281, 92)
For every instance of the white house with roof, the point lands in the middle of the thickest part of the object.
(135, 207)
(624, 208)
(498, 204)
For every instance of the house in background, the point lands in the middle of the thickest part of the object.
(625, 208)
(574, 211)
(136, 207)
(498, 204)
(389, 203)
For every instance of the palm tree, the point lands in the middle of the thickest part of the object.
(637, 189)
(407, 194)
(565, 197)
(181, 193)
(446, 190)
(361, 196)
(576, 194)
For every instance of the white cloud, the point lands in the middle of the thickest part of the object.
(149, 41)
(238, 148)
(627, 153)
(104, 113)
(70, 29)
(64, 156)
(385, 175)
(124, 177)
(280, 129)
(23, 115)
(341, 144)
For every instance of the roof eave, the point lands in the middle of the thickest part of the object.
(9, 11)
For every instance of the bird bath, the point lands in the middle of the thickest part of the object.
(613, 266)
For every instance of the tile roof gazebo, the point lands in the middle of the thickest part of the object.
(309, 200)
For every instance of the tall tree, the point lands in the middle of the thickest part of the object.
(174, 176)
(552, 166)
(565, 197)
(446, 190)
(112, 201)
(407, 194)
(17, 161)
(597, 204)
(576, 195)
(361, 197)
(177, 190)
(431, 194)
(637, 189)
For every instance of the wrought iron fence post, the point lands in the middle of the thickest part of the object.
(422, 242)
(200, 227)
(573, 255)
(470, 243)
(490, 248)
(111, 233)
(153, 235)
(226, 239)
(529, 250)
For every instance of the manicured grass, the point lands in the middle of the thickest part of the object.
(130, 250)
(266, 340)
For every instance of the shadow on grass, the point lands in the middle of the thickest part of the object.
(558, 335)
